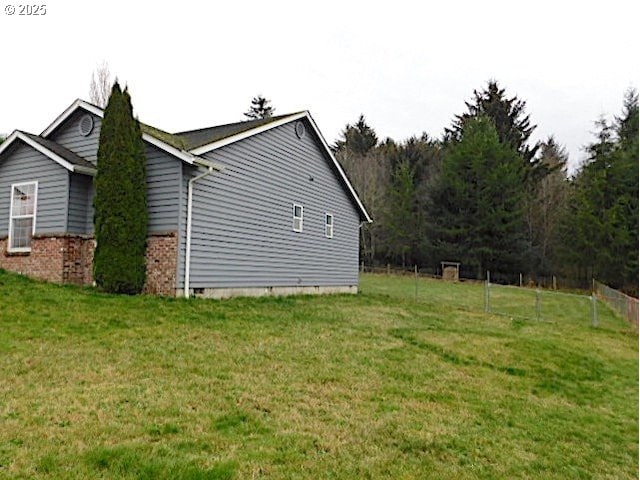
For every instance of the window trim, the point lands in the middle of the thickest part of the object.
(12, 217)
(301, 218)
(328, 227)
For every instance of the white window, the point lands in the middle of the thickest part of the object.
(328, 225)
(298, 211)
(22, 218)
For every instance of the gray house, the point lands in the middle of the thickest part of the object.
(250, 208)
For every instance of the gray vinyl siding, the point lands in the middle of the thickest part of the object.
(80, 189)
(164, 173)
(242, 234)
(68, 135)
(21, 163)
(163, 185)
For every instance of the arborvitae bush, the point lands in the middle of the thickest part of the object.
(120, 201)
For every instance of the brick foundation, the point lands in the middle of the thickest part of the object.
(162, 260)
(69, 259)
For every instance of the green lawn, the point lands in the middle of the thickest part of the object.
(377, 385)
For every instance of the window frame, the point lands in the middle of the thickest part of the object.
(300, 218)
(328, 227)
(13, 217)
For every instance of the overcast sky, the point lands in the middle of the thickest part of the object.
(407, 66)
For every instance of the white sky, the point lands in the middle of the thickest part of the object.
(407, 66)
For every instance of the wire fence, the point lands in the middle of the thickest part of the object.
(624, 305)
(512, 296)
(547, 282)
(538, 304)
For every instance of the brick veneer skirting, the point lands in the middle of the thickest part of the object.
(68, 258)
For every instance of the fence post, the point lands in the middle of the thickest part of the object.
(362, 267)
(415, 268)
(521, 279)
(537, 304)
(594, 310)
(555, 285)
(487, 294)
(388, 269)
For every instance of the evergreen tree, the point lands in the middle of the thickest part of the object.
(476, 214)
(514, 129)
(358, 139)
(120, 200)
(400, 216)
(600, 230)
(260, 108)
(507, 114)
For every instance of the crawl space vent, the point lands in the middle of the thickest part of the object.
(86, 125)
(300, 129)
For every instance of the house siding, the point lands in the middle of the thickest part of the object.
(164, 174)
(21, 163)
(68, 135)
(80, 203)
(242, 232)
(163, 186)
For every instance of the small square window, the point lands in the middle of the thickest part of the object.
(298, 215)
(328, 225)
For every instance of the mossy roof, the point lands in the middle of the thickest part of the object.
(204, 136)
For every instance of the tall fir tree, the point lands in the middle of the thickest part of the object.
(508, 115)
(600, 229)
(120, 202)
(260, 108)
(476, 214)
(358, 138)
(400, 216)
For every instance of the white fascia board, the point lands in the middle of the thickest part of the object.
(55, 157)
(339, 168)
(254, 131)
(246, 134)
(181, 154)
(67, 113)
(8, 141)
(203, 162)
(16, 135)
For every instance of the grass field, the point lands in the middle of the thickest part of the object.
(376, 385)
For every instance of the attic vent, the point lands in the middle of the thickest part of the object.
(300, 131)
(86, 125)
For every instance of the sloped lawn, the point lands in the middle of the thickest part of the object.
(378, 385)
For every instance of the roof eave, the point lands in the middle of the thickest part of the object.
(181, 154)
(17, 135)
(246, 134)
(364, 215)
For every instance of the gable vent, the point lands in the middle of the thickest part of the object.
(86, 125)
(300, 130)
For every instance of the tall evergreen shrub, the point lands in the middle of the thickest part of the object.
(120, 201)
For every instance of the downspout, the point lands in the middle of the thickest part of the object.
(187, 256)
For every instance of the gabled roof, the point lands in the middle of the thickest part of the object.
(205, 136)
(189, 145)
(163, 140)
(52, 150)
(228, 134)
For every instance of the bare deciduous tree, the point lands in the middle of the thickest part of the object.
(101, 84)
(369, 174)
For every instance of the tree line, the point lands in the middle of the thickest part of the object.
(482, 194)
